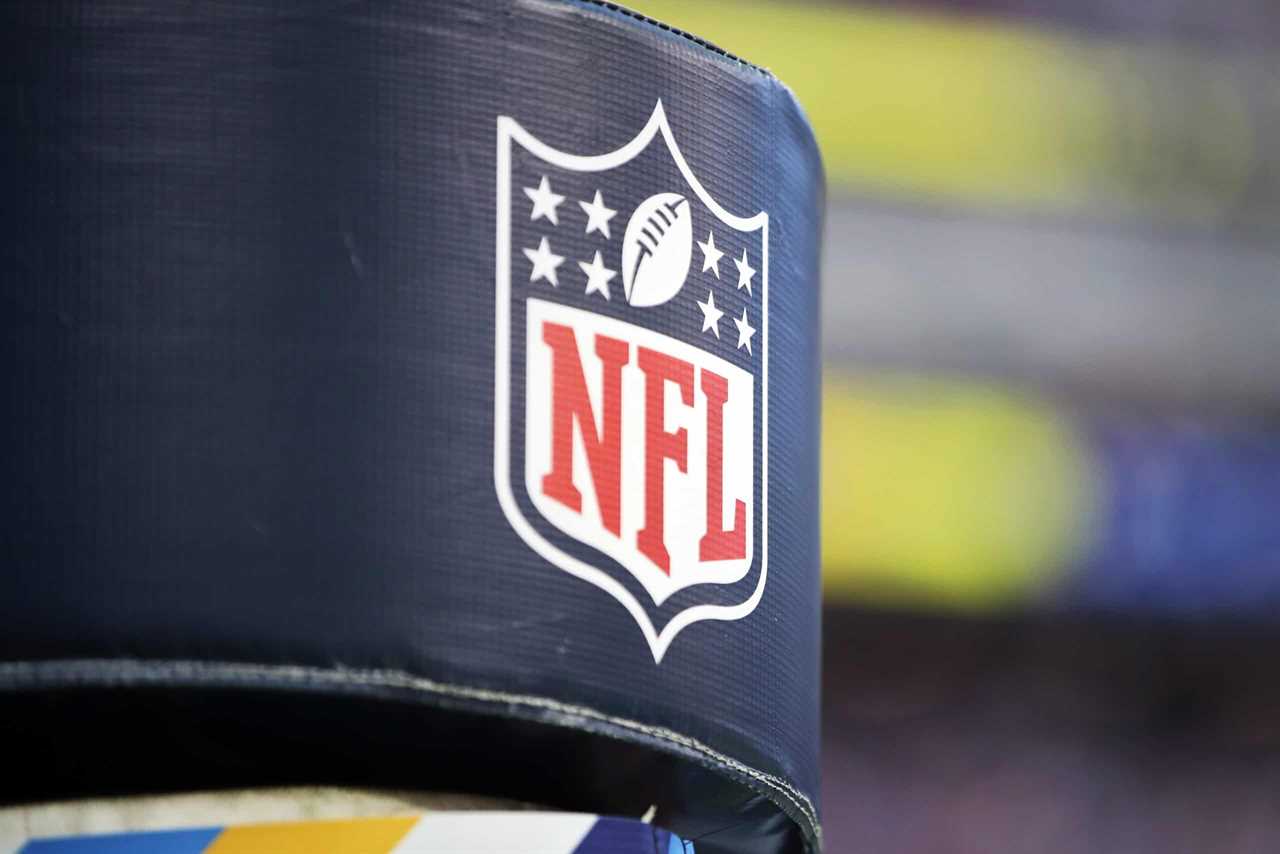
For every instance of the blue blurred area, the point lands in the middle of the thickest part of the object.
(1188, 525)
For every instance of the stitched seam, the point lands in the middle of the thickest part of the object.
(89, 670)
(676, 31)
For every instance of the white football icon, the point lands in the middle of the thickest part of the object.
(656, 249)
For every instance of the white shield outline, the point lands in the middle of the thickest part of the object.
(509, 130)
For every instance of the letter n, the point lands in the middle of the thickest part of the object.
(570, 403)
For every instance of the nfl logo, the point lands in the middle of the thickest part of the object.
(631, 394)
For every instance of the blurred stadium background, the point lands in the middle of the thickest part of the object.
(1052, 451)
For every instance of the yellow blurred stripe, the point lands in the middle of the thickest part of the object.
(353, 836)
(980, 112)
(943, 494)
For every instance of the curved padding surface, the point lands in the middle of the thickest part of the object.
(413, 394)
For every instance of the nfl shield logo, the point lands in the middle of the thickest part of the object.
(631, 395)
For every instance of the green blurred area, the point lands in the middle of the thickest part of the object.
(976, 111)
(963, 496)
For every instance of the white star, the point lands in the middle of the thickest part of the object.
(710, 255)
(544, 262)
(710, 314)
(598, 276)
(745, 331)
(544, 201)
(745, 272)
(598, 215)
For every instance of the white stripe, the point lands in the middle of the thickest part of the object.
(496, 833)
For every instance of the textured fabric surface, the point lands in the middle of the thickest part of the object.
(248, 255)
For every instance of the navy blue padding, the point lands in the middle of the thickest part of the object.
(247, 253)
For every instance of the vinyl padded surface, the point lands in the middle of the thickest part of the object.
(247, 467)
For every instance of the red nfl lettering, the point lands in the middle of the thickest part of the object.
(571, 405)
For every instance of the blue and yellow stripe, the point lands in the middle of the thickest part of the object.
(437, 833)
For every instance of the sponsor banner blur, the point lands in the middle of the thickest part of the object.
(978, 498)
